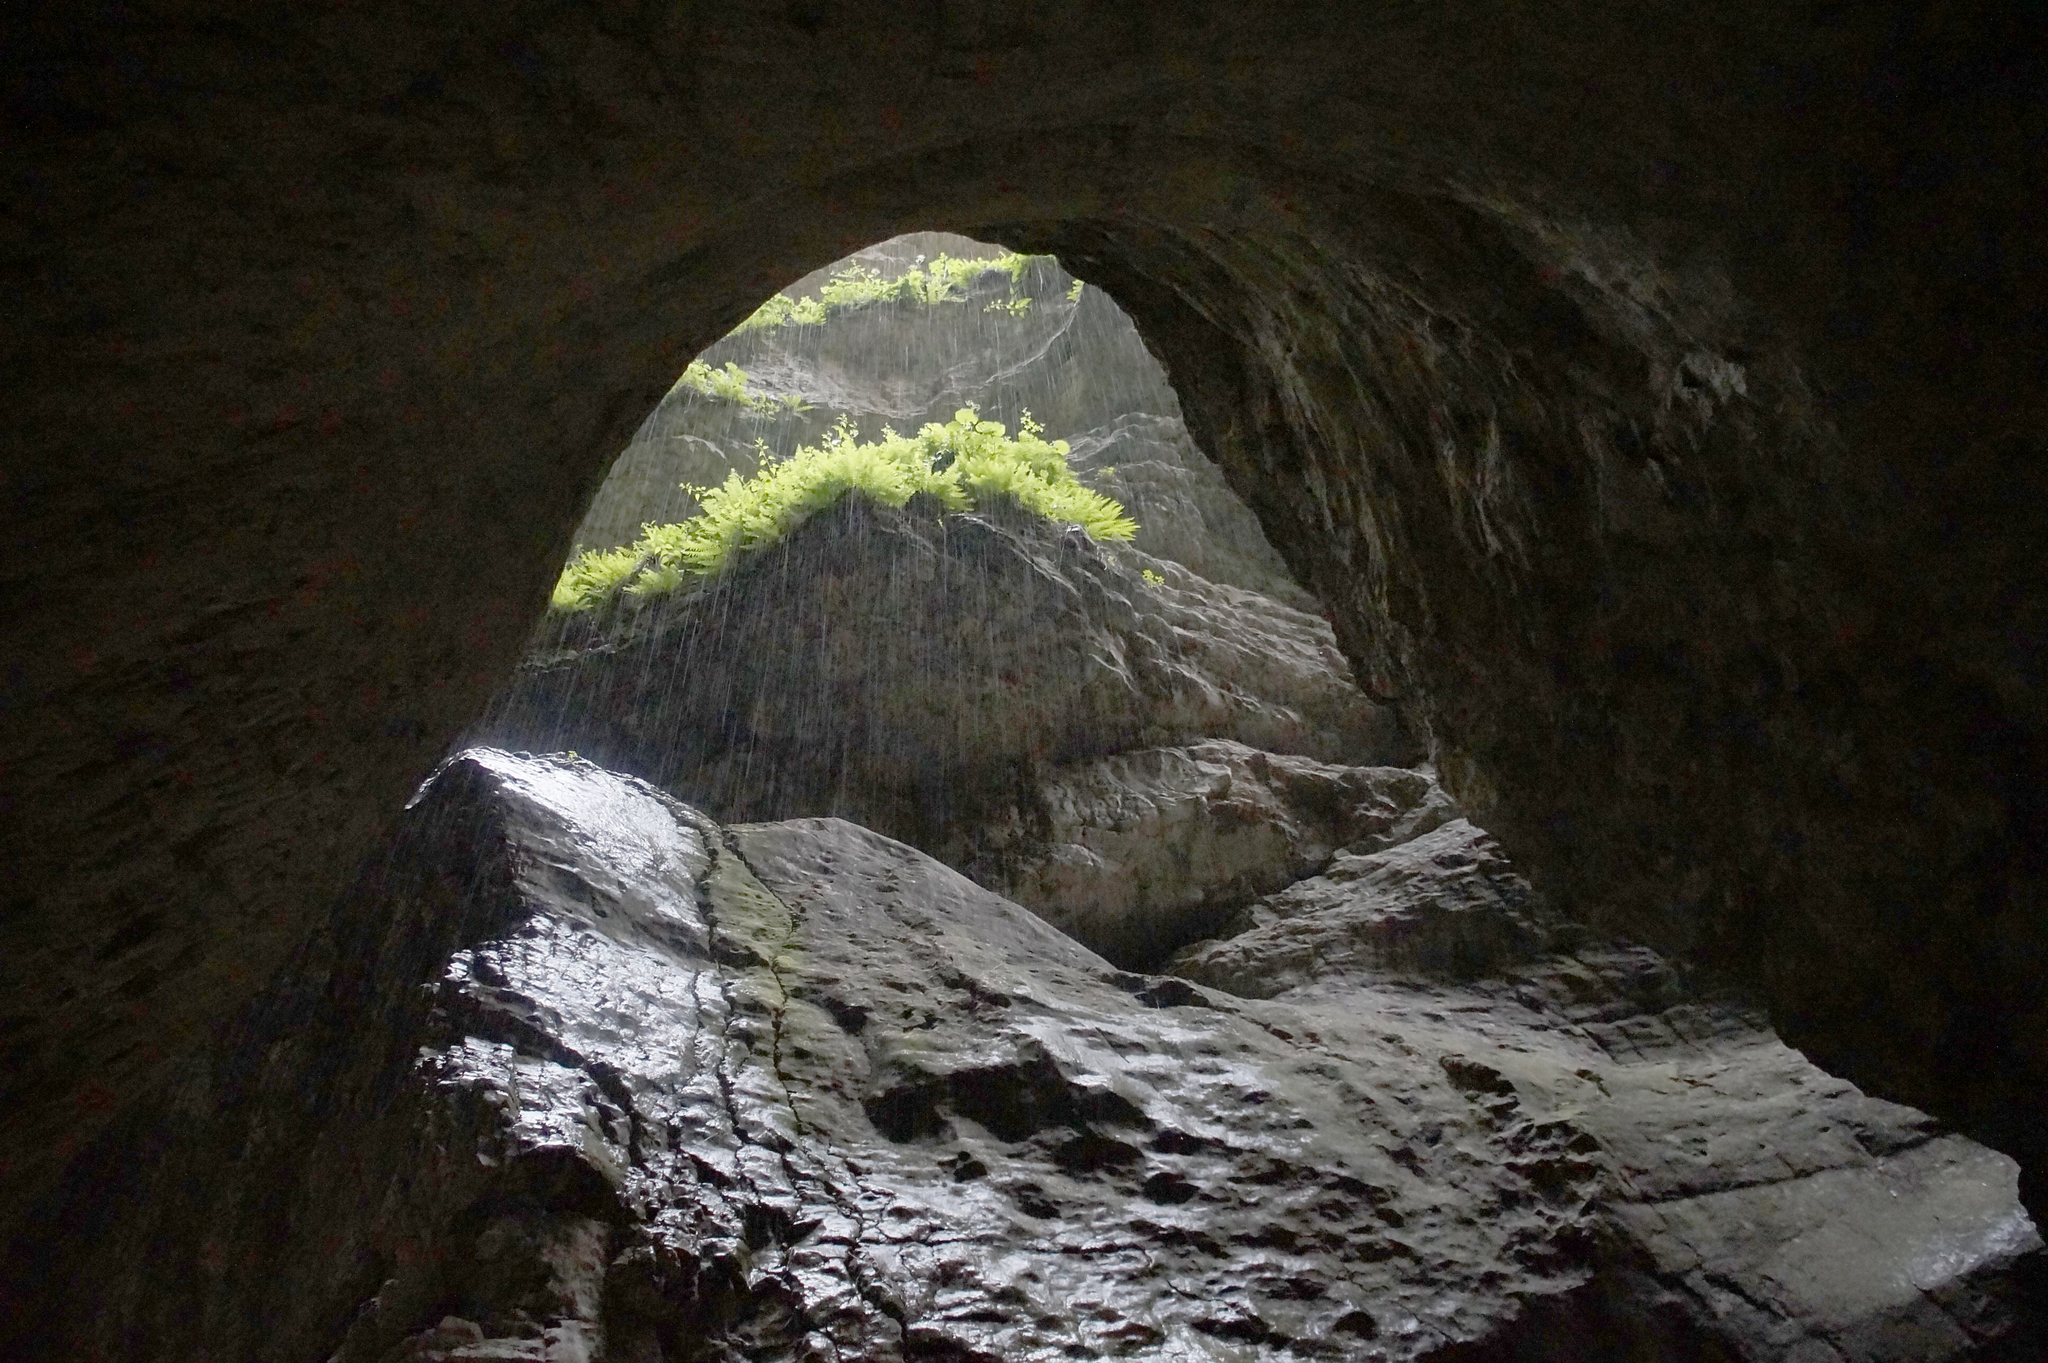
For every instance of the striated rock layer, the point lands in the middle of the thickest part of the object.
(577, 1073)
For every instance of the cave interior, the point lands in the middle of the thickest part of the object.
(1651, 397)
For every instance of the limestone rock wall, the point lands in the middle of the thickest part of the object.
(1141, 852)
(980, 686)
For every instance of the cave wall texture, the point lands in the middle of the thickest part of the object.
(1651, 391)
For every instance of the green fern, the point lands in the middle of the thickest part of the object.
(943, 279)
(964, 463)
(731, 384)
(783, 311)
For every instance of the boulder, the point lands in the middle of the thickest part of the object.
(1443, 903)
(1138, 853)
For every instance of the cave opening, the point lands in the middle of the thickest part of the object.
(998, 647)
(1652, 406)
(1203, 796)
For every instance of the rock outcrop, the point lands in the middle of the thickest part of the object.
(577, 1073)
(1443, 902)
(1380, 1102)
(1142, 852)
(1009, 697)
(917, 673)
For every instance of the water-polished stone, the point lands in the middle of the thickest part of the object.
(579, 1073)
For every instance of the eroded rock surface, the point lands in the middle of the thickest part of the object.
(328, 320)
(1138, 853)
(913, 671)
(579, 1073)
(1444, 903)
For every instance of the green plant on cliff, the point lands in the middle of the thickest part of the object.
(943, 279)
(964, 463)
(731, 384)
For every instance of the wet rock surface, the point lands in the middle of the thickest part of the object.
(578, 1073)
(916, 672)
(1442, 902)
(994, 689)
(1138, 853)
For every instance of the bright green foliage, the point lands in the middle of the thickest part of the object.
(592, 574)
(730, 384)
(965, 463)
(1074, 294)
(784, 311)
(940, 280)
(1016, 307)
(1152, 579)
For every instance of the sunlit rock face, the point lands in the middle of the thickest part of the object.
(917, 672)
(1044, 345)
(641, 1086)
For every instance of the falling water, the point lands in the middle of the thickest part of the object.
(1067, 357)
